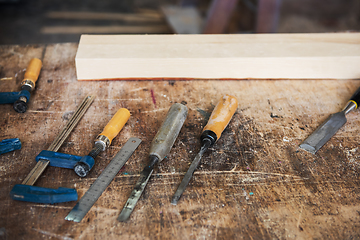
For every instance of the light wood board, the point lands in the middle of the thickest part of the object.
(262, 56)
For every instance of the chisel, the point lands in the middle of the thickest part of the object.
(160, 147)
(331, 125)
(219, 119)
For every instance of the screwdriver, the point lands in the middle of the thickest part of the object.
(102, 141)
(160, 147)
(219, 119)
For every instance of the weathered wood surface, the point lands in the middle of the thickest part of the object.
(255, 183)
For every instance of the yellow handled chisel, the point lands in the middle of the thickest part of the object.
(219, 119)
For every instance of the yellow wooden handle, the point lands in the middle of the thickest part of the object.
(116, 123)
(33, 70)
(221, 115)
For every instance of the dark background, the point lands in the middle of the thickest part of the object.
(24, 21)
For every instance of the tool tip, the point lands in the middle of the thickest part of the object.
(308, 148)
(68, 218)
(175, 200)
(124, 215)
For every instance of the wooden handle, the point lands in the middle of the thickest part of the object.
(33, 70)
(221, 115)
(116, 123)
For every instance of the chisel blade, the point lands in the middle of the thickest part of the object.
(324, 132)
(189, 174)
(135, 194)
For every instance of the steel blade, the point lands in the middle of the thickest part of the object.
(189, 174)
(135, 194)
(185, 181)
(324, 132)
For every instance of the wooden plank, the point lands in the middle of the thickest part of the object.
(254, 183)
(266, 56)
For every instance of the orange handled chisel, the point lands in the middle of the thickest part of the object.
(219, 119)
(103, 141)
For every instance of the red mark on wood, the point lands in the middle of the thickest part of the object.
(153, 97)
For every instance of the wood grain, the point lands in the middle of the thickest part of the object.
(263, 56)
(254, 183)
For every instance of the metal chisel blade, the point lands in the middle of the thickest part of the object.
(185, 181)
(135, 194)
(324, 132)
(189, 174)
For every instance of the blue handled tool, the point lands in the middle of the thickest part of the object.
(20, 99)
(8, 145)
(28, 193)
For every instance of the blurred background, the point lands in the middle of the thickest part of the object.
(56, 21)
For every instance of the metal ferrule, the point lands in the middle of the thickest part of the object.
(103, 140)
(22, 98)
(28, 83)
(349, 107)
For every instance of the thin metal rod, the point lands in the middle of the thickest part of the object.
(41, 165)
(36, 172)
(189, 173)
(66, 130)
(59, 140)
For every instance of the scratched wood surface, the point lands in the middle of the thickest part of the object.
(254, 183)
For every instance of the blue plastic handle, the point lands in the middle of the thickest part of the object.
(64, 160)
(8, 145)
(11, 97)
(57, 159)
(28, 193)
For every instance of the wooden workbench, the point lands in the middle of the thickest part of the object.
(254, 183)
